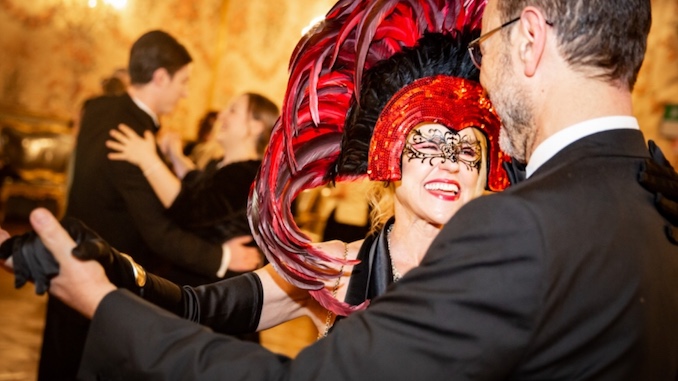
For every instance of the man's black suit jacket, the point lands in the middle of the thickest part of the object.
(566, 276)
(114, 199)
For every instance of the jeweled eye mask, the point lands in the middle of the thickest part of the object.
(428, 144)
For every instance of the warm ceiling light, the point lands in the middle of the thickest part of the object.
(117, 4)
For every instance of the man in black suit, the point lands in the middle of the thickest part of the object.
(113, 197)
(567, 275)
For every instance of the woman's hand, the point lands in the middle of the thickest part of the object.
(243, 257)
(172, 147)
(133, 148)
(171, 144)
(142, 152)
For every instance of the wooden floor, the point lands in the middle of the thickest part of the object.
(22, 321)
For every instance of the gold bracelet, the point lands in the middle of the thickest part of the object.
(137, 270)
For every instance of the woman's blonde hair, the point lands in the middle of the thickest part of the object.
(381, 196)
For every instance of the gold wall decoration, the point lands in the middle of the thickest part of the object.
(56, 52)
(658, 79)
(259, 37)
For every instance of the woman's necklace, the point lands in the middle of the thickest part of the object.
(396, 273)
(328, 319)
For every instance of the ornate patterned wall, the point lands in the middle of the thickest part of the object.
(55, 52)
(658, 80)
(257, 41)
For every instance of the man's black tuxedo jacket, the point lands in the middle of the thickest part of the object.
(114, 199)
(566, 276)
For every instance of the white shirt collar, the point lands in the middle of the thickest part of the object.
(147, 110)
(561, 139)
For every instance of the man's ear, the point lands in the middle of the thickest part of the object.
(533, 33)
(161, 76)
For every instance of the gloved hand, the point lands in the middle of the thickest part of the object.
(33, 262)
(120, 268)
(658, 176)
(514, 170)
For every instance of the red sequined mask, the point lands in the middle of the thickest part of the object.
(454, 102)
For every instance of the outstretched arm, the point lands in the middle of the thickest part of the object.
(232, 306)
(142, 152)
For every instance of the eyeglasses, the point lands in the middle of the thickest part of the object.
(474, 46)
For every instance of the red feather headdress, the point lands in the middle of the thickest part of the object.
(326, 70)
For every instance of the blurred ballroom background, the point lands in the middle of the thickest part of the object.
(56, 53)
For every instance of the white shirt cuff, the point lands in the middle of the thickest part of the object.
(225, 261)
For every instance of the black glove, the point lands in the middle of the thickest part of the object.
(515, 171)
(120, 268)
(218, 304)
(31, 261)
(244, 305)
(658, 176)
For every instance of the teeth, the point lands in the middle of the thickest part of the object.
(442, 187)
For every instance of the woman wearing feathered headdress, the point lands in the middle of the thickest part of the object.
(384, 90)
